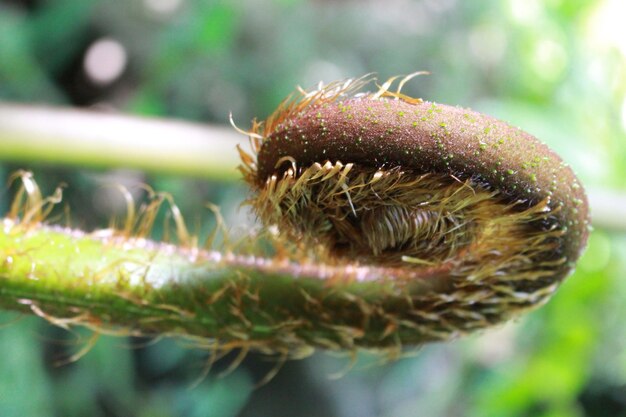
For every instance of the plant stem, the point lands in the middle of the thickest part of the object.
(608, 209)
(103, 140)
(67, 276)
(110, 282)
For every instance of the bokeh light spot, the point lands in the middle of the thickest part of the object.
(525, 11)
(105, 60)
(549, 60)
(607, 24)
(488, 44)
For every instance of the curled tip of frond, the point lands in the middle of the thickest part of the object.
(461, 205)
(386, 128)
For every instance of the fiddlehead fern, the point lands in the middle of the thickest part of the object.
(394, 222)
(467, 220)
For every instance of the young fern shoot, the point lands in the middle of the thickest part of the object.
(394, 222)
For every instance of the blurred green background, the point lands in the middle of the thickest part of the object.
(555, 67)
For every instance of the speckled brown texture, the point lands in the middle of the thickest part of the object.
(430, 137)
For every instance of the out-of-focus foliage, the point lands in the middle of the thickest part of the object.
(555, 67)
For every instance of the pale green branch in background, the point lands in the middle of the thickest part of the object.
(93, 139)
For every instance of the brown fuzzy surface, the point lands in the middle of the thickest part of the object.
(435, 138)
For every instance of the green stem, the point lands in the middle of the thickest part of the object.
(102, 140)
(65, 275)
(111, 282)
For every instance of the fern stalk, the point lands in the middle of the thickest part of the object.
(298, 297)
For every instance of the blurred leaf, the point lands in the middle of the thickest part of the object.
(24, 387)
(21, 76)
(58, 31)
